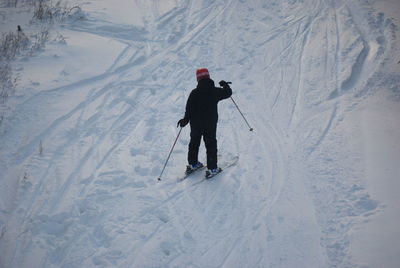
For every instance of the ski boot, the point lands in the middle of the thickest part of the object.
(212, 172)
(192, 168)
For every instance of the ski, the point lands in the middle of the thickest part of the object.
(210, 175)
(223, 165)
(191, 173)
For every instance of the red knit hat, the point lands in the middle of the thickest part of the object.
(202, 73)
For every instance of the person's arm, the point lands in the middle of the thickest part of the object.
(189, 107)
(224, 92)
(188, 111)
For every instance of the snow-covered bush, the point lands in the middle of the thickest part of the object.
(9, 3)
(47, 11)
(18, 44)
(8, 83)
(15, 3)
(40, 40)
(11, 44)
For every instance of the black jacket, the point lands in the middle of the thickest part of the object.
(201, 106)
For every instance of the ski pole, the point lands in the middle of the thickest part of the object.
(250, 128)
(179, 133)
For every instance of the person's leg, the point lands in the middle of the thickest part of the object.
(210, 141)
(194, 144)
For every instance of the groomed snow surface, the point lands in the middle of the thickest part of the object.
(86, 134)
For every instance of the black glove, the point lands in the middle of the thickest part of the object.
(182, 123)
(224, 84)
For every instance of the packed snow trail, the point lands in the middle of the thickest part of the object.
(81, 152)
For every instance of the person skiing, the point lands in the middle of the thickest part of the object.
(202, 113)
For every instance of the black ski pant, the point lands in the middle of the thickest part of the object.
(209, 133)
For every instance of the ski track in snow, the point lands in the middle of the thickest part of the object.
(92, 199)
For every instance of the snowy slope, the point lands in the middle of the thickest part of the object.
(87, 133)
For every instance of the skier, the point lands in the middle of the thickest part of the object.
(202, 113)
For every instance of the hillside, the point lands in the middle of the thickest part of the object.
(85, 136)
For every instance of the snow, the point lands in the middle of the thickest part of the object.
(382, 169)
(63, 59)
(87, 132)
